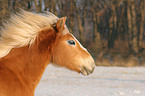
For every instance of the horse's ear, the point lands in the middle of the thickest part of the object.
(60, 25)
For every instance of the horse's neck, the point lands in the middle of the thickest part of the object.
(28, 64)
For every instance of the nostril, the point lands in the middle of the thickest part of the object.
(86, 70)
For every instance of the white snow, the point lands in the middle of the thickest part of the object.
(105, 81)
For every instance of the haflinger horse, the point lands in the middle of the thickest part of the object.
(28, 43)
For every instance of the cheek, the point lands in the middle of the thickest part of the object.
(64, 53)
(66, 57)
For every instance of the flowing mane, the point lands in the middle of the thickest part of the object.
(22, 28)
(31, 41)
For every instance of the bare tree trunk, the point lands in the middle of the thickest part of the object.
(112, 27)
(134, 26)
(81, 22)
(81, 29)
(129, 24)
(96, 34)
(47, 4)
(72, 14)
(142, 24)
(38, 5)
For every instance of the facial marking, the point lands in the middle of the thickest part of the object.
(79, 43)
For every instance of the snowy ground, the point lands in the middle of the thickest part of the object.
(105, 81)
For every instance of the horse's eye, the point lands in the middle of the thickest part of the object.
(71, 42)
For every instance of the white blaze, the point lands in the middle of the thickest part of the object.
(80, 44)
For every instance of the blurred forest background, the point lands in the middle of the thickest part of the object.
(112, 30)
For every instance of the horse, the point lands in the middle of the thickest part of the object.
(30, 41)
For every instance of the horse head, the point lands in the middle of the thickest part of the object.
(65, 49)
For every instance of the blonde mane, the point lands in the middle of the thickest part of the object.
(22, 28)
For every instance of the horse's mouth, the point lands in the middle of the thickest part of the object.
(86, 71)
